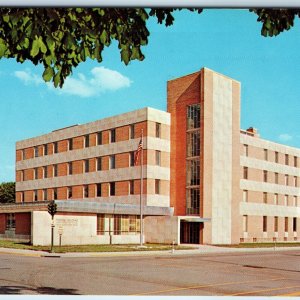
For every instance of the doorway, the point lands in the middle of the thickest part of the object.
(189, 232)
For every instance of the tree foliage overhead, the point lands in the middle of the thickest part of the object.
(7, 192)
(61, 38)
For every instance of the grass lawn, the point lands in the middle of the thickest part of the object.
(262, 245)
(91, 248)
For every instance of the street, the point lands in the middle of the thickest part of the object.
(241, 274)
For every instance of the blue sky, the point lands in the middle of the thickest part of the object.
(227, 41)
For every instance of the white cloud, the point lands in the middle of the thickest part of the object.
(284, 137)
(100, 80)
(28, 78)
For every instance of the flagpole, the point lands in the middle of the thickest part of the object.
(141, 195)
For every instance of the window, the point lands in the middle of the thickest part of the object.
(131, 158)
(70, 168)
(295, 181)
(158, 130)
(245, 223)
(295, 161)
(112, 162)
(265, 154)
(10, 221)
(294, 224)
(276, 199)
(131, 131)
(275, 224)
(86, 141)
(276, 178)
(193, 201)
(45, 170)
(70, 144)
(157, 157)
(55, 171)
(286, 224)
(193, 116)
(22, 195)
(245, 196)
(295, 201)
(193, 172)
(36, 173)
(99, 163)
(21, 175)
(100, 224)
(193, 143)
(86, 166)
(157, 186)
(55, 147)
(276, 157)
(45, 195)
(286, 179)
(45, 149)
(70, 195)
(131, 187)
(126, 224)
(98, 189)
(113, 135)
(55, 194)
(246, 150)
(265, 224)
(99, 138)
(265, 197)
(286, 159)
(112, 189)
(285, 200)
(265, 176)
(245, 173)
(35, 195)
(85, 191)
(36, 151)
(23, 154)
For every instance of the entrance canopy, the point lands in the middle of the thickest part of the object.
(194, 219)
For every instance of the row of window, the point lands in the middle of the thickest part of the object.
(287, 157)
(122, 224)
(265, 177)
(86, 166)
(193, 160)
(293, 199)
(86, 141)
(86, 192)
(265, 223)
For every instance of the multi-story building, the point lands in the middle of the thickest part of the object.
(205, 180)
(90, 172)
(230, 185)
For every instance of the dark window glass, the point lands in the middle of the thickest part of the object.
(113, 135)
(112, 189)
(99, 190)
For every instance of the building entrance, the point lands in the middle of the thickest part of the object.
(189, 232)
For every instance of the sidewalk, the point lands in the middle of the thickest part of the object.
(201, 249)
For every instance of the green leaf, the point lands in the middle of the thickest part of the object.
(56, 79)
(125, 55)
(6, 19)
(3, 48)
(42, 46)
(35, 48)
(48, 74)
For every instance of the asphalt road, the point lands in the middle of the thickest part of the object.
(241, 274)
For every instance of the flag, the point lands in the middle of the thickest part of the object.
(137, 152)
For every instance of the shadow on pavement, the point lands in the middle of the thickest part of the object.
(43, 290)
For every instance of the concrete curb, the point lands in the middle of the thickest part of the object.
(201, 250)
